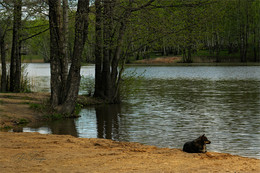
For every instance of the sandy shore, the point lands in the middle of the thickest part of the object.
(34, 152)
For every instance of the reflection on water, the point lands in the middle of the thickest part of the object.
(61, 127)
(168, 111)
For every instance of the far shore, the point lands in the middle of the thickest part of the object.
(169, 61)
(197, 64)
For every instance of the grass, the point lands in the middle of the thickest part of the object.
(32, 58)
(48, 113)
(23, 121)
(77, 109)
(16, 97)
(37, 106)
(5, 128)
(25, 86)
(53, 116)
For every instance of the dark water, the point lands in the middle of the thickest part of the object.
(173, 105)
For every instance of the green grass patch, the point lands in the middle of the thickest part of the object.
(26, 103)
(26, 98)
(53, 116)
(9, 96)
(37, 106)
(77, 109)
(31, 57)
(23, 121)
(5, 128)
(48, 113)
(16, 97)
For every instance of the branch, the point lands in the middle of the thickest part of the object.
(142, 6)
(24, 39)
(206, 2)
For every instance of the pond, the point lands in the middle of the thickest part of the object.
(170, 106)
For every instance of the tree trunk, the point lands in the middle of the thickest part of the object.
(217, 47)
(109, 51)
(66, 105)
(111, 22)
(64, 60)
(98, 50)
(56, 51)
(3, 61)
(15, 67)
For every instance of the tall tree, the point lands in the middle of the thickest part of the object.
(15, 66)
(98, 49)
(111, 24)
(64, 88)
(3, 59)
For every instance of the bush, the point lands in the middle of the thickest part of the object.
(87, 85)
(131, 81)
(26, 86)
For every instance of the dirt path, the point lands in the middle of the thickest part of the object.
(34, 152)
(15, 108)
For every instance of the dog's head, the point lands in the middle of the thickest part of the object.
(204, 139)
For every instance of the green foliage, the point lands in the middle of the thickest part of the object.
(87, 85)
(26, 86)
(37, 47)
(48, 113)
(131, 81)
(77, 109)
(31, 57)
(23, 121)
(53, 116)
(6, 128)
(36, 106)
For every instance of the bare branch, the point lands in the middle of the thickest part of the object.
(24, 39)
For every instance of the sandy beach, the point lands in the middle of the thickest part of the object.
(34, 152)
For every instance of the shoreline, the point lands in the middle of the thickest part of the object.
(26, 108)
(167, 61)
(195, 64)
(34, 152)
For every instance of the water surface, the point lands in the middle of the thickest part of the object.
(173, 105)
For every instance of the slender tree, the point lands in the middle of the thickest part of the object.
(3, 59)
(15, 66)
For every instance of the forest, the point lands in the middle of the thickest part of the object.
(112, 33)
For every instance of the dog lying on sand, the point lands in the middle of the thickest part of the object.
(197, 146)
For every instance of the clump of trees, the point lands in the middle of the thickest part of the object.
(110, 32)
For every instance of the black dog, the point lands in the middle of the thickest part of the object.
(197, 146)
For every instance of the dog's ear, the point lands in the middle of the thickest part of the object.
(203, 135)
